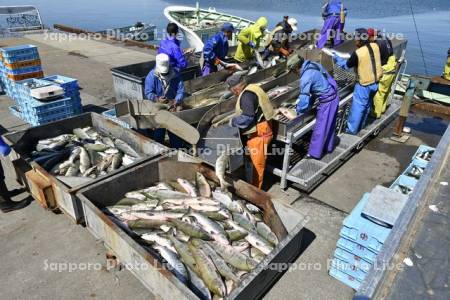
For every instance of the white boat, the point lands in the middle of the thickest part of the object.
(198, 25)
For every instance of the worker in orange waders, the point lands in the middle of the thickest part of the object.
(254, 113)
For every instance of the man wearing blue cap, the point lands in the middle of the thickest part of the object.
(216, 49)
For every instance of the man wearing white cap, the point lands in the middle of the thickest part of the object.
(165, 85)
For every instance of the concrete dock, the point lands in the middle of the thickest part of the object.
(35, 240)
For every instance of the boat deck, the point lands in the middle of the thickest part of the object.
(37, 239)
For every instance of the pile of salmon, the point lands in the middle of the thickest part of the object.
(208, 238)
(84, 153)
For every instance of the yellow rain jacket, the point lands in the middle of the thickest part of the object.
(254, 34)
(447, 70)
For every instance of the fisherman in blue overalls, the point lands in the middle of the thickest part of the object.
(333, 13)
(165, 85)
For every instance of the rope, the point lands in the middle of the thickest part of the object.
(418, 37)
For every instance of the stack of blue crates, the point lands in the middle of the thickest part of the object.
(18, 63)
(37, 112)
(406, 181)
(360, 242)
(361, 239)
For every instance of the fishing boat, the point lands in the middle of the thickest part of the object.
(140, 31)
(198, 25)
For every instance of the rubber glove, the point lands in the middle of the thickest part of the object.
(341, 62)
(251, 44)
(4, 148)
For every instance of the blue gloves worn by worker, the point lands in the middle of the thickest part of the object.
(4, 148)
(251, 44)
(340, 61)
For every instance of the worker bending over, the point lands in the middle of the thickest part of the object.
(389, 66)
(171, 47)
(280, 37)
(333, 13)
(367, 62)
(164, 85)
(317, 87)
(254, 113)
(249, 40)
(6, 204)
(216, 49)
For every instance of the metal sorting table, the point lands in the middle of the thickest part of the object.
(52, 191)
(213, 87)
(229, 137)
(149, 269)
(308, 173)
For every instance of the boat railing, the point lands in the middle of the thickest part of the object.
(15, 19)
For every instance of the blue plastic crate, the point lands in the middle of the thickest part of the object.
(348, 269)
(111, 114)
(25, 86)
(14, 59)
(408, 172)
(67, 83)
(19, 51)
(345, 278)
(52, 115)
(49, 112)
(39, 106)
(363, 231)
(357, 250)
(24, 70)
(419, 161)
(404, 181)
(75, 95)
(353, 259)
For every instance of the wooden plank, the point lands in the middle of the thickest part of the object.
(41, 189)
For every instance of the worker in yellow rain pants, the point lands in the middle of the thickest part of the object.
(389, 66)
(253, 116)
(380, 99)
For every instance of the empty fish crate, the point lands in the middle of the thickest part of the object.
(345, 278)
(357, 249)
(352, 259)
(68, 84)
(348, 269)
(23, 64)
(362, 231)
(18, 51)
(25, 70)
(20, 77)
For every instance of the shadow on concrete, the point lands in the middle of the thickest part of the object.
(307, 237)
(94, 108)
